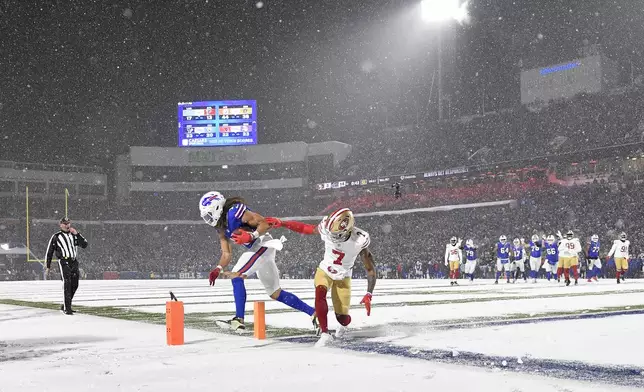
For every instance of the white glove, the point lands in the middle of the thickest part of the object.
(559, 234)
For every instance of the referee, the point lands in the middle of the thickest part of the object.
(65, 244)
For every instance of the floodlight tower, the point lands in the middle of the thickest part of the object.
(438, 13)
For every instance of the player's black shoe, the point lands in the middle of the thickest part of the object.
(619, 281)
(575, 282)
(567, 282)
(316, 325)
(496, 281)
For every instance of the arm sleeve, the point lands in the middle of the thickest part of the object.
(82, 242)
(612, 250)
(50, 250)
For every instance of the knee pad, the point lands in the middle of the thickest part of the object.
(343, 319)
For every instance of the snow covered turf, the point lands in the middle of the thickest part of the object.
(421, 333)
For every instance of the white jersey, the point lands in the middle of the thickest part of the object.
(453, 253)
(620, 249)
(569, 248)
(339, 257)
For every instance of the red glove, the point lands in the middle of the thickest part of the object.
(214, 274)
(242, 237)
(366, 300)
(274, 222)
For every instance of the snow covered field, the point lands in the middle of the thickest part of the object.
(421, 334)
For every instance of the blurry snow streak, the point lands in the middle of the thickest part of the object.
(259, 4)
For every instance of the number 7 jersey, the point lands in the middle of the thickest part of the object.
(339, 257)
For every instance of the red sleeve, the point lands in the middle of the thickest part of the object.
(299, 227)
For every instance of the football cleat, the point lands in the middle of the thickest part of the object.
(325, 340)
(341, 331)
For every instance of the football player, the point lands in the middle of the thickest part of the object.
(453, 255)
(235, 221)
(620, 250)
(343, 243)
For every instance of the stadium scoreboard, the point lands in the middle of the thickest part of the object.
(217, 123)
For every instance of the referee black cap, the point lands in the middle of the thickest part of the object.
(65, 220)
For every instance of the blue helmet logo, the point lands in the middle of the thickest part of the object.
(208, 200)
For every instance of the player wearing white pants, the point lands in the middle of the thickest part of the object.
(470, 266)
(235, 222)
(260, 259)
(503, 265)
(552, 268)
(535, 264)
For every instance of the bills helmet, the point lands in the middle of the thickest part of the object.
(594, 238)
(551, 239)
(339, 225)
(469, 243)
(535, 238)
(502, 239)
(211, 206)
(516, 242)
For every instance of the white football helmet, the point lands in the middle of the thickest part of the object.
(469, 243)
(594, 238)
(551, 239)
(453, 240)
(516, 242)
(570, 234)
(502, 239)
(339, 225)
(211, 207)
(622, 236)
(535, 238)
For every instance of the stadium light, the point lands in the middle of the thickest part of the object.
(436, 11)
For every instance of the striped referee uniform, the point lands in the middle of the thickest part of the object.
(65, 245)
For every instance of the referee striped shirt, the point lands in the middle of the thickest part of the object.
(65, 246)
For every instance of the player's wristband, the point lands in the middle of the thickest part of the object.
(255, 234)
(219, 267)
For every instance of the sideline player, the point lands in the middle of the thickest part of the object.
(552, 258)
(502, 258)
(620, 250)
(453, 256)
(593, 260)
(470, 259)
(536, 248)
(238, 223)
(569, 248)
(343, 242)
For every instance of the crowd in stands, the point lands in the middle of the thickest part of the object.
(588, 121)
(398, 241)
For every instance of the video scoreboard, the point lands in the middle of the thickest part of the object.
(217, 123)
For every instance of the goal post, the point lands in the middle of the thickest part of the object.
(31, 256)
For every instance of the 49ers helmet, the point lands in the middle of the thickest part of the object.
(339, 225)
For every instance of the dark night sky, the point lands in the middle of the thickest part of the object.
(82, 80)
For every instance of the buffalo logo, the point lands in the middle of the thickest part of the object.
(208, 200)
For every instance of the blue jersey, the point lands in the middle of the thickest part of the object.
(234, 220)
(503, 251)
(470, 253)
(517, 251)
(535, 249)
(593, 250)
(552, 253)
